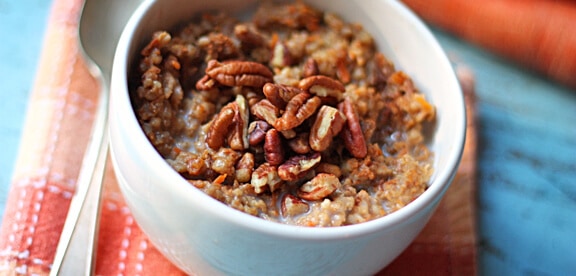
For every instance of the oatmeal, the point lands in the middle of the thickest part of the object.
(292, 116)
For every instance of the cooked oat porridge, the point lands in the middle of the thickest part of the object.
(292, 116)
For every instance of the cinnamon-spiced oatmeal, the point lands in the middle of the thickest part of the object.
(292, 116)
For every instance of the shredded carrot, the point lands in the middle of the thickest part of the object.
(398, 78)
(220, 179)
(175, 64)
(274, 40)
(426, 106)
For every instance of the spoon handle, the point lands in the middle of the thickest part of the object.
(75, 254)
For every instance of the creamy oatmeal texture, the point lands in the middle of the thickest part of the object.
(292, 116)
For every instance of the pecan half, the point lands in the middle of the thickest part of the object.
(264, 176)
(288, 134)
(238, 137)
(298, 109)
(218, 129)
(205, 83)
(249, 36)
(273, 149)
(327, 125)
(319, 187)
(352, 131)
(281, 56)
(342, 71)
(292, 206)
(323, 86)
(252, 97)
(257, 132)
(299, 144)
(245, 167)
(239, 73)
(279, 95)
(266, 111)
(310, 68)
(297, 166)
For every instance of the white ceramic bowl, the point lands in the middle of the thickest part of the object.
(205, 237)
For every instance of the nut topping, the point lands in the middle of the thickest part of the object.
(282, 122)
(297, 166)
(266, 111)
(252, 97)
(205, 83)
(281, 56)
(257, 132)
(327, 125)
(341, 71)
(292, 206)
(238, 137)
(321, 186)
(265, 175)
(239, 73)
(288, 134)
(273, 149)
(298, 109)
(299, 144)
(310, 68)
(279, 94)
(323, 86)
(219, 126)
(352, 131)
(249, 36)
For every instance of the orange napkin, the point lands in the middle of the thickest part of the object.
(57, 127)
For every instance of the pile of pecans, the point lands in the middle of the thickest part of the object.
(292, 125)
(292, 116)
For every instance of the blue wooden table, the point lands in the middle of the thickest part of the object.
(527, 147)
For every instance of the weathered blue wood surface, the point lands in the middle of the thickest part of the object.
(527, 147)
(526, 167)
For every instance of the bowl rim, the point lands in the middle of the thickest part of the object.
(180, 187)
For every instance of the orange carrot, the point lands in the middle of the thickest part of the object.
(220, 179)
(538, 34)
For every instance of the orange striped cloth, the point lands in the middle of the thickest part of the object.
(56, 130)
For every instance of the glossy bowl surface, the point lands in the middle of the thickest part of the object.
(205, 237)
